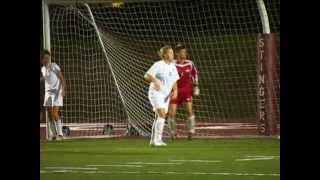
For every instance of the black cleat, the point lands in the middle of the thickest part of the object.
(173, 136)
(59, 138)
(189, 136)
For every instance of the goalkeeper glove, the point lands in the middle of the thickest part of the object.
(196, 91)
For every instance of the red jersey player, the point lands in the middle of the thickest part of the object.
(187, 86)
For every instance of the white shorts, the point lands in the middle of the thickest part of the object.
(158, 101)
(52, 99)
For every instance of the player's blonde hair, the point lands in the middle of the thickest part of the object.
(44, 52)
(164, 50)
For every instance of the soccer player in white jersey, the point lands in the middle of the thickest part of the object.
(54, 92)
(162, 77)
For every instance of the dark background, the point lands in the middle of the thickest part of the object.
(298, 90)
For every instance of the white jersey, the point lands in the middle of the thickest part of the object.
(166, 73)
(50, 74)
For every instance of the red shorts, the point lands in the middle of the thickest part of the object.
(183, 97)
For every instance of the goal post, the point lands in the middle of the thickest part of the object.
(46, 45)
(267, 78)
(267, 85)
(105, 46)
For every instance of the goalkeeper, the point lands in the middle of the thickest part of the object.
(187, 86)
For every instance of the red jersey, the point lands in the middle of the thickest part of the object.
(188, 74)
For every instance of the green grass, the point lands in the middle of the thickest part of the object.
(80, 153)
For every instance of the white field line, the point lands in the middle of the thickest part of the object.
(262, 156)
(89, 172)
(57, 171)
(197, 160)
(70, 168)
(155, 163)
(255, 159)
(158, 172)
(113, 165)
(236, 174)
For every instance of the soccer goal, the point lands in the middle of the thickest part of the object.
(104, 48)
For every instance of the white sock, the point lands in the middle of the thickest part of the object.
(52, 129)
(59, 127)
(172, 125)
(152, 132)
(162, 123)
(55, 127)
(191, 124)
(159, 129)
(49, 128)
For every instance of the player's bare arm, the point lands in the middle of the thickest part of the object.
(63, 83)
(196, 90)
(156, 81)
(175, 90)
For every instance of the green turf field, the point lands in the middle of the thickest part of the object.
(128, 159)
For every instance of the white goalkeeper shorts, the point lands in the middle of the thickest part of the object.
(52, 99)
(158, 101)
